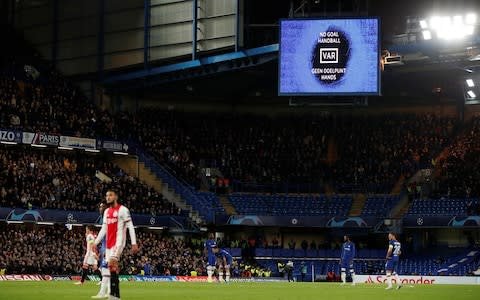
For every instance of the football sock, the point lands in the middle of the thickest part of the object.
(114, 285)
(344, 277)
(84, 275)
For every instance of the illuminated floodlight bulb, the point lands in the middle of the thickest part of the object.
(446, 21)
(423, 24)
(471, 19)
(471, 94)
(458, 20)
(435, 22)
(469, 29)
(470, 82)
(427, 35)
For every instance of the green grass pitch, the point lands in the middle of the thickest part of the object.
(234, 291)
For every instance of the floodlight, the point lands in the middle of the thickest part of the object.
(427, 35)
(471, 19)
(423, 24)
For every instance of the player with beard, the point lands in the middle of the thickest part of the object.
(116, 221)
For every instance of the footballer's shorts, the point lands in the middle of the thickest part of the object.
(391, 265)
(212, 260)
(90, 260)
(114, 252)
(346, 264)
(222, 264)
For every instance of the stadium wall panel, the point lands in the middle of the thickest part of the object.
(213, 8)
(77, 48)
(122, 59)
(217, 43)
(115, 5)
(222, 26)
(69, 9)
(78, 65)
(44, 49)
(216, 24)
(33, 16)
(170, 35)
(175, 12)
(123, 41)
(39, 35)
(77, 28)
(124, 20)
(161, 52)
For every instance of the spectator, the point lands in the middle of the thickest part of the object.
(304, 245)
(303, 270)
(291, 244)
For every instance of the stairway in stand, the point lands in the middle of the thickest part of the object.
(357, 205)
(227, 205)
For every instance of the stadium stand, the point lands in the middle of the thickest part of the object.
(43, 250)
(441, 207)
(261, 153)
(460, 169)
(53, 256)
(296, 205)
(379, 205)
(32, 178)
(239, 146)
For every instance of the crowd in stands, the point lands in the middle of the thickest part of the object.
(45, 250)
(293, 149)
(460, 170)
(33, 178)
(376, 150)
(246, 148)
(56, 250)
(54, 106)
(372, 151)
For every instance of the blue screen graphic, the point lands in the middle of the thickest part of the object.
(329, 57)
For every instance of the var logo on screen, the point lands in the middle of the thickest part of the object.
(328, 55)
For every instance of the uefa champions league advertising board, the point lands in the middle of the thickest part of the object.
(329, 57)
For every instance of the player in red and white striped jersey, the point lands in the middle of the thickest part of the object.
(116, 221)
(91, 259)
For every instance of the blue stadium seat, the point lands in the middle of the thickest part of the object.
(299, 253)
(312, 253)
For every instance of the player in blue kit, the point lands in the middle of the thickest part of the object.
(393, 256)
(208, 250)
(346, 259)
(225, 261)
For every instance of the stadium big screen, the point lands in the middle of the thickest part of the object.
(329, 57)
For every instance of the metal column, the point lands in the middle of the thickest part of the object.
(55, 33)
(101, 37)
(194, 28)
(237, 25)
(146, 32)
